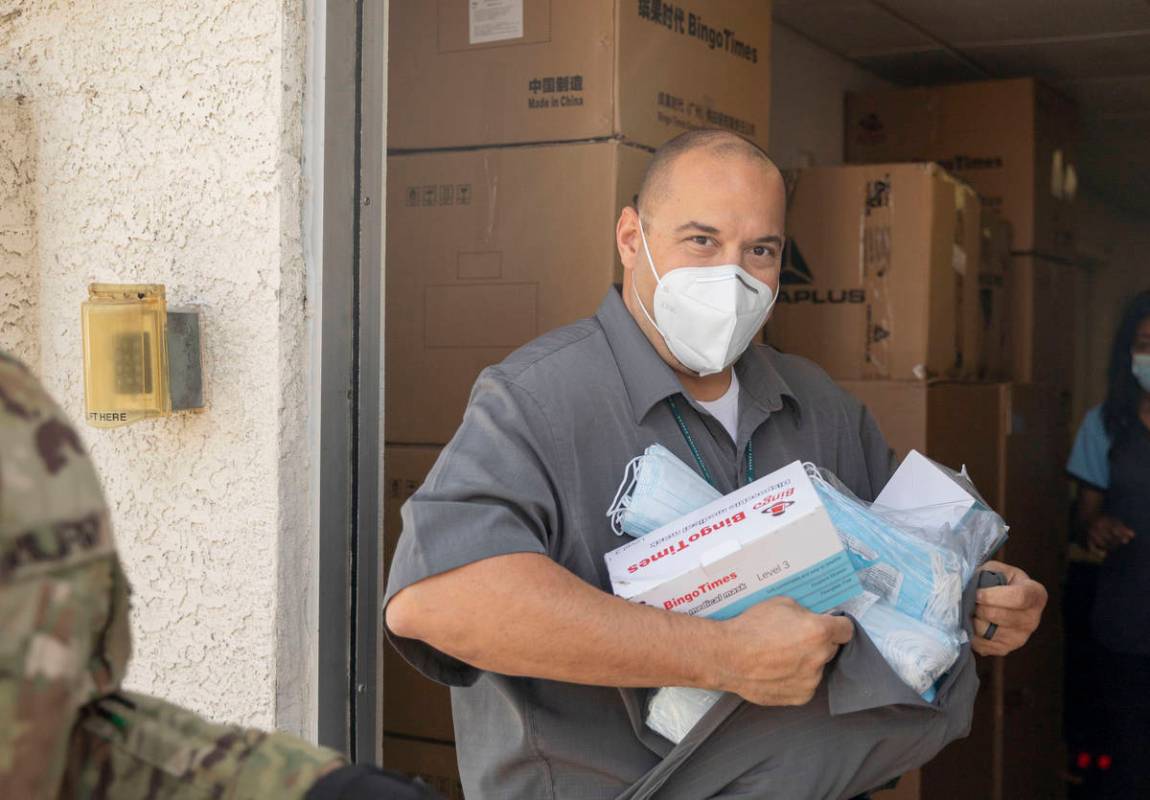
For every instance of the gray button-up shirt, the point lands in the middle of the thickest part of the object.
(533, 469)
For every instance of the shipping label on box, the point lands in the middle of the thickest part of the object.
(771, 538)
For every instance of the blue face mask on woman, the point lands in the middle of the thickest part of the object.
(1141, 369)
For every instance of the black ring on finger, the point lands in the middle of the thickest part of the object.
(991, 629)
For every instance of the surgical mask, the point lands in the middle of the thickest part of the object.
(707, 315)
(918, 653)
(918, 578)
(1141, 369)
(657, 488)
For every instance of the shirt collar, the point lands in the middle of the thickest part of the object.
(761, 378)
(648, 378)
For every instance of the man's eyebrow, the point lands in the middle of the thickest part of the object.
(699, 226)
(705, 228)
(769, 239)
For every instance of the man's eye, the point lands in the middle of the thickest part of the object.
(702, 241)
(763, 250)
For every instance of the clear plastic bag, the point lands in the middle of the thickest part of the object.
(918, 653)
(674, 710)
(915, 562)
(917, 575)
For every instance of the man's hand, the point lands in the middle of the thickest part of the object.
(778, 651)
(1107, 533)
(1015, 608)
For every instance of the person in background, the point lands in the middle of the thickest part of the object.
(1111, 463)
(67, 729)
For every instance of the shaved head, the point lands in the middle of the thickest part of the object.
(716, 143)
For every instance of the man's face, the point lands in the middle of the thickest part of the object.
(712, 210)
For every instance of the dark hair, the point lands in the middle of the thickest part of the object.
(720, 142)
(1120, 411)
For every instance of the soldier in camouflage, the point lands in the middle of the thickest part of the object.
(66, 727)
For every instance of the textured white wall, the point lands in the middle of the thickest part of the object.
(167, 141)
(808, 87)
(19, 270)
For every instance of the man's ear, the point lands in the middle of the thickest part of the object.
(627, 238)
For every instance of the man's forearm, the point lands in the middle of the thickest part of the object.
(523, 614)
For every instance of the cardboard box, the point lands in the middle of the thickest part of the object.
(770, 538)
(469, 73)
(412, 704)
(966, 258)
(1036, 506)
(1010, 438)
(952, 422)
(1043, 300)
(995, 343)
(487, 249)
(878, 273)
(435, 763)
(1012, 140)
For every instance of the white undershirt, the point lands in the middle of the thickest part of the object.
(726, 408)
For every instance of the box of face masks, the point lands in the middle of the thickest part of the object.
(772, 537)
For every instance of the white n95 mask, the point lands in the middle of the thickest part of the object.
(707, 315)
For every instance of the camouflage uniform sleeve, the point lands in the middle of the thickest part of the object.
(129, 746)
(63, 597)
(64, 728)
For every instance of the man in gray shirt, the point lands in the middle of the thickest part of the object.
(498, 587)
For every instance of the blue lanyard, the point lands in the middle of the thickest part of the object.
(695, 449)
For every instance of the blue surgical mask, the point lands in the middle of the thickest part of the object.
(1141, 369)
(918, 653)
(657, 488)
(920, 579)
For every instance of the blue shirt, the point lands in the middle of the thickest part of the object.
(1120, 619)
(1090, 457)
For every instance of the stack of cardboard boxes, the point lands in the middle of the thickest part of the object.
(960, 341)
(1013, 141)
(517, 130)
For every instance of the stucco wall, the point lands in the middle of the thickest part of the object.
(167, 142)
(19, 270)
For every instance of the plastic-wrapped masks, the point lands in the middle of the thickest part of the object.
(674, 710)
(920, 579)
(918, 653)
(657, 488)
(974, 537)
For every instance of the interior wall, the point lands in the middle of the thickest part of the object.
(1116, 248)
(808, 88)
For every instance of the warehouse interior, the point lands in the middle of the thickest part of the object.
(1018, 131)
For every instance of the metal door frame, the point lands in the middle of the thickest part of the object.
(350, 452)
